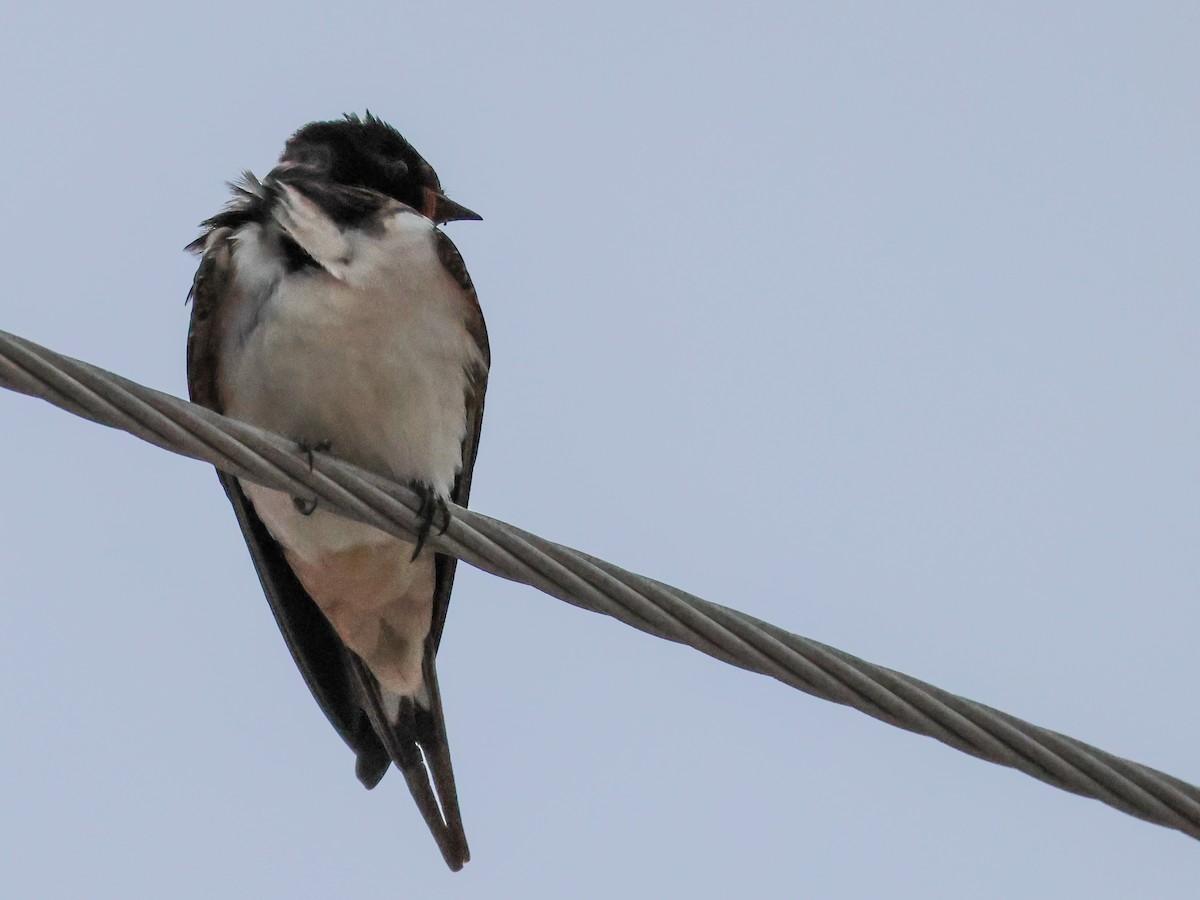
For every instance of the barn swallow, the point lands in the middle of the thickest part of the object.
(330, 308)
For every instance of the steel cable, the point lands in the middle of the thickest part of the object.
(593, 584)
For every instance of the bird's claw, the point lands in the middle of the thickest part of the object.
(306, 507)
(309, 449)
(432, 506)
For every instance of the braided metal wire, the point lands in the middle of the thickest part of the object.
(593, 584)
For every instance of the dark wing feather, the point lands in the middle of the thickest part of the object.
(319, 654)
(427, 729)
(477, 387)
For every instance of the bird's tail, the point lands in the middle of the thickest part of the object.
(415, 738)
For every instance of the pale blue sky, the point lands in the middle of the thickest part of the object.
(877, 321)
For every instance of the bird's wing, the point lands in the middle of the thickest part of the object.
(476, 388)
(430, 734)
(319, 653)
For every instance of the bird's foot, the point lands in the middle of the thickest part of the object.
(433, 505)
(309, 449)
(304, 506)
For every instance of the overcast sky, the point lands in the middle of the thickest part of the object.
(878, 321)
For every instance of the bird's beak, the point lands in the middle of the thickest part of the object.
(441, 208)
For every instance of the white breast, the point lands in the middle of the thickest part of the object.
(374, 361)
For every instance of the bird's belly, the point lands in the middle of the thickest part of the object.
(376, 366)
(381, 381)
(366, 389)
(380, 602)
(310, 538)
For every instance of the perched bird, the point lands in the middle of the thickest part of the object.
(329, 307)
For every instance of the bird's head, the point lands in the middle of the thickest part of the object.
(370, 153)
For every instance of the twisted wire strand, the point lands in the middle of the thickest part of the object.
(594, 584)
